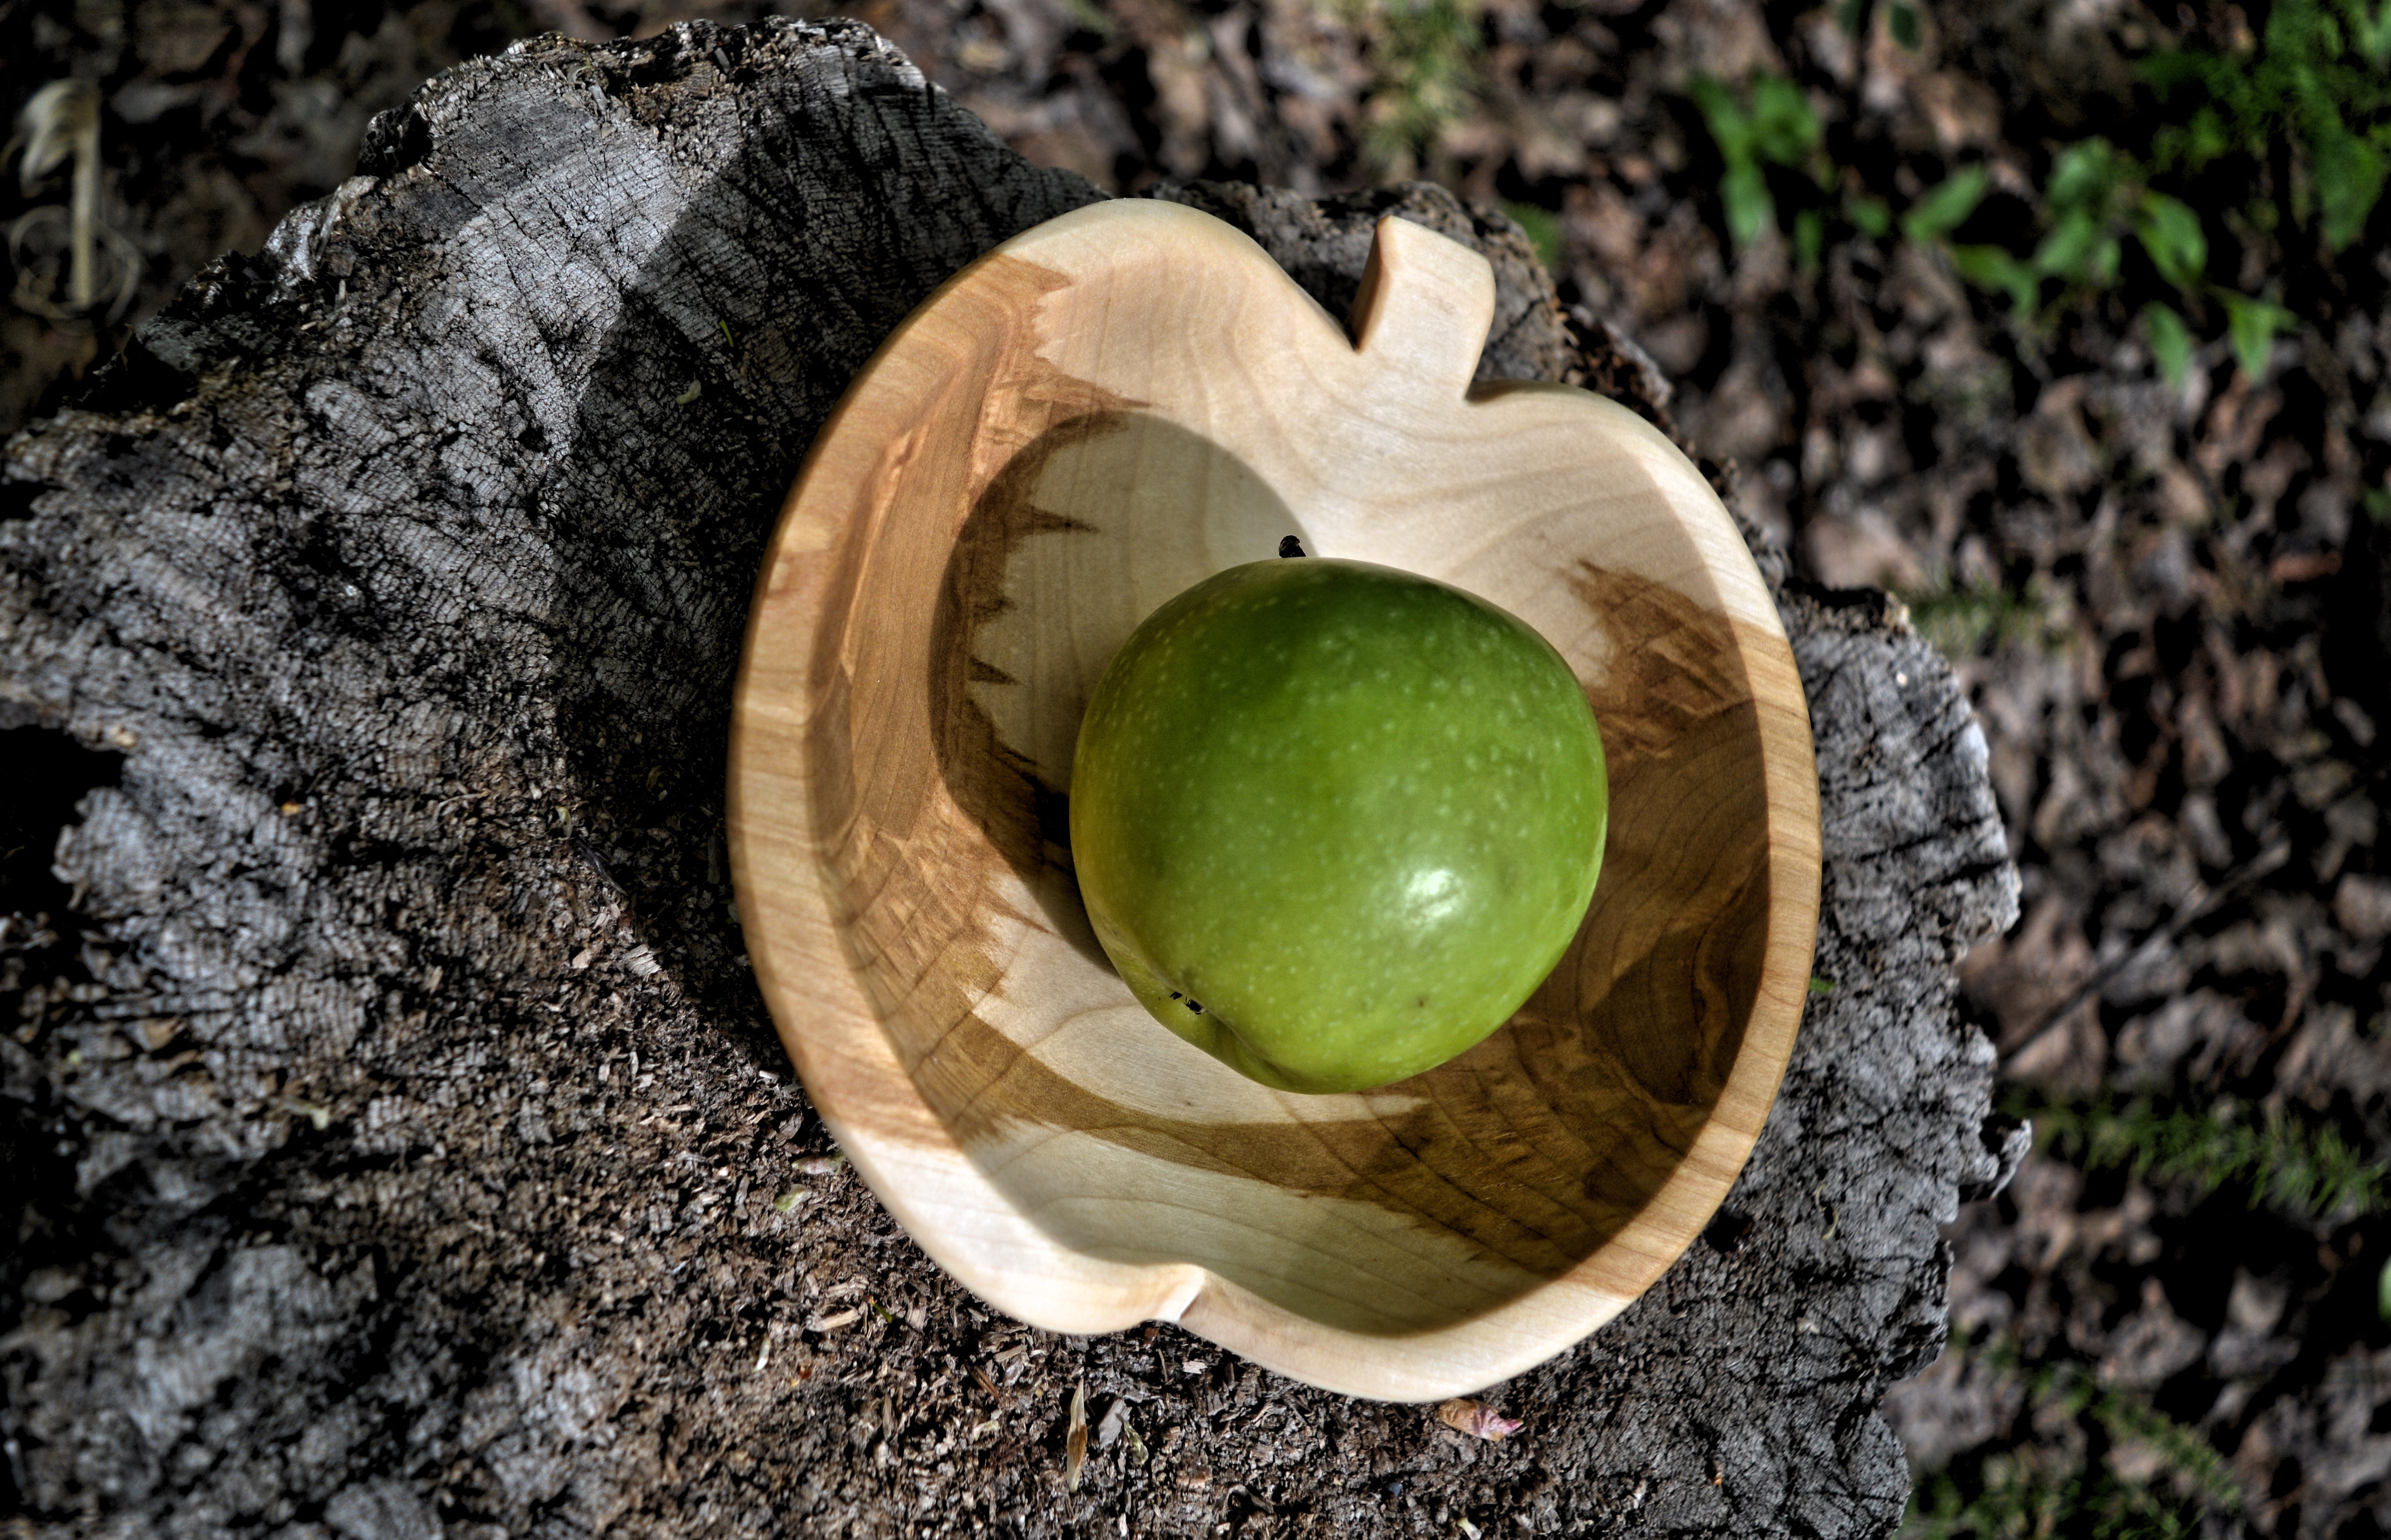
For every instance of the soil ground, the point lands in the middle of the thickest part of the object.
(2169, 599)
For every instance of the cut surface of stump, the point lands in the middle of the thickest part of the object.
(399, 1144)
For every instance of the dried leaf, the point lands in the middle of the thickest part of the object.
(1075, 1443)
(1116, 1417)
(1477, 1419)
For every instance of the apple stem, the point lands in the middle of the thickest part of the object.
(1290, 545)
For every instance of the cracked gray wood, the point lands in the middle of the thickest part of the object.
(398, 1147)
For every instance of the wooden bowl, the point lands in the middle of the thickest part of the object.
(1094, 416)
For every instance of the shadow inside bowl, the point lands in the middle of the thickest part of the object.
(1403, 1210)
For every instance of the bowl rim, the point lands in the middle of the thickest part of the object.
(898, 1142)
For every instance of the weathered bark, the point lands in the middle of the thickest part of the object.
(396, 1145)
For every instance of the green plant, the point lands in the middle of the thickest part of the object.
(2015, 1499)
(1089, 16)
(2098, 199)
(1769, 124)
(2314, 98)
(1963, 622)
(2286, 145)
(1900, 19)
(2022, 1493)
(2306, 1173)
(1543, 229)
(2033, 1491)
(1424, 63)
(2317, 88)
(2184, 1452)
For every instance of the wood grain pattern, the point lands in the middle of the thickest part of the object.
(1098, 414)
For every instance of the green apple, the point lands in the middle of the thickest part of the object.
(1334, 822)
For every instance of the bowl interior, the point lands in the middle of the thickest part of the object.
(1388, 1211)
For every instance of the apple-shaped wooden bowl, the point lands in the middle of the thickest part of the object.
(1099, 413)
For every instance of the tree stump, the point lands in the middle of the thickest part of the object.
(398, 1147)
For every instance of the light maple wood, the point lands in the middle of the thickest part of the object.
(1099, 413)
